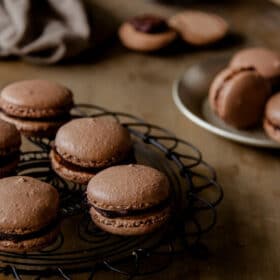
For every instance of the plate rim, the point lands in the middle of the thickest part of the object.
(211, 128)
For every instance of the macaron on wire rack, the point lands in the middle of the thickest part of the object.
(83, 248)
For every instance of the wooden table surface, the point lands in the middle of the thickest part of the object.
(245, 244)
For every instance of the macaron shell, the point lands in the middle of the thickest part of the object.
(134, 225)
(130, 186)
(266, 61)
(272, 109)
(199, 28)
(35, 99)
(26, 204)
(10, 139)
(30, 244)
(241, 97)
(93, 142)
(33, 127)
(79, 177)
(9, 168)
(272, 131)
(145, 42)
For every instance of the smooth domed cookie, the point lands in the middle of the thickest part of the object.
(28, 214)
(129, 199)
(238, 96)
(10, 142)
(199, 28)
(85, 146)
(271, 121)
(146, 33)
(265, 61)
(36, 107)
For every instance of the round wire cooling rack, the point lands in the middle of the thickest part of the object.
(83, 248)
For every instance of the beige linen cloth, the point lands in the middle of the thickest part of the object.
(43, 31)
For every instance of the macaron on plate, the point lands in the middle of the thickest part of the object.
(190, 94)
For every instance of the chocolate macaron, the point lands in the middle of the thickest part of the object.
(129, 199)
(36, 107)
(10, 142)
(146, 33)
(238, 96)
(28, 214)
(83, 147)
(265, 61)
(271, 121)
(199, 28)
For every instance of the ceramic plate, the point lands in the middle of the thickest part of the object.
(190, 96)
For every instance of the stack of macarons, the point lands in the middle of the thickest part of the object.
(124, 198)
(247, 91)
(149, 32)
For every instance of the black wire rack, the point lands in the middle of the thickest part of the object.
(83, 248)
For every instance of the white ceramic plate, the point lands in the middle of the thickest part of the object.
(190, 95)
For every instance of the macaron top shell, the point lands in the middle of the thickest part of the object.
(126, 187)
(26, 204)
(9, 137)
(199, 28)
(272, 109)
(93, 142)
(266, 61)
(46, 96)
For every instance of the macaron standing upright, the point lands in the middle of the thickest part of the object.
(85, 146)
(36, 107)
(146, 33)
(199, 28)
(29, 218)
(238, 96)
(129, 199)
(10, 142)
(271, 122)
(264, 60)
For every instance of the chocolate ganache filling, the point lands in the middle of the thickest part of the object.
(5, 160)
(130, 158)
(149, 24)
(31, 235)
(111, 214)
(62, 118)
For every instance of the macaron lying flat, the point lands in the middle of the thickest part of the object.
(10, 142)
(265, 61)
(36, 107)
(271, 121)
(199, 28)
(85, 146)
(129, 199)
(146, 33)
(238, 96)
(28, 214)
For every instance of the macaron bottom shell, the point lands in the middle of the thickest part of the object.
(29, 245)
(31, 128)
(136, 225)
(76, 176)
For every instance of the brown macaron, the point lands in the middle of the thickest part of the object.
(129, 199)
(85, 146)
(238, 96)
(10, 142)
(36, 107)
(199, 28)
(28, 214)
(265, 61)
(146, 33)
(271, 121)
